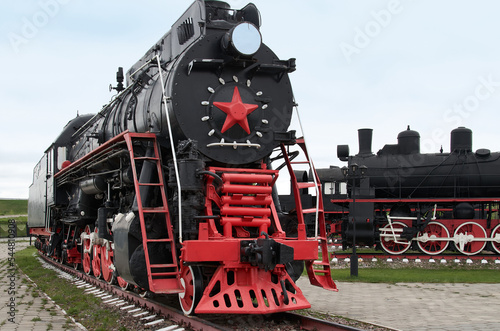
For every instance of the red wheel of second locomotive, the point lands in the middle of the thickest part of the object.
(390, 239)
(426, 239)
(495, 235)
(468, 238)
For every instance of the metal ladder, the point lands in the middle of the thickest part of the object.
(319, 272)
(160, 280)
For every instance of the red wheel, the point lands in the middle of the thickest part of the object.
(468, 237)
(87, 246)
(426, 239)
(390, 238)
(122, 283)
(495, 235)
(107, 266)
(96, 260)
(192, 283)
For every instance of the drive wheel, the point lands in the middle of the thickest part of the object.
(123, 283)
(107, 266)
(495, 235)
(428, 244)
(87, 252)
(96, 260)
(192, 282)
(468, 238)
(390, 238)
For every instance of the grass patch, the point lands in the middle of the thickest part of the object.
(86, 309)
(13, 207)
(409, 274)
(19, 220)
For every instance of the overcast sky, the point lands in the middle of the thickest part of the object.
(383, 64)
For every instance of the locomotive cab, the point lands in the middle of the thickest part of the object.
(43, 195)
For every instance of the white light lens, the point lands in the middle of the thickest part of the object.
(246, 38)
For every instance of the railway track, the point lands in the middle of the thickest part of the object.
(290, 321)
(495, 258)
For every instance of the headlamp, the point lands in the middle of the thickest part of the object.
(244, 39)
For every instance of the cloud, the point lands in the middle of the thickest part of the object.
(413, 70)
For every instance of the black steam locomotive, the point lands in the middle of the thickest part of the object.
(170, 188)
(400, 198)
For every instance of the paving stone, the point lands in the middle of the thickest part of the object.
(411, 306)
(29, 308)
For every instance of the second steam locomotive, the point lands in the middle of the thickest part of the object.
(399, 198)
(170, 188)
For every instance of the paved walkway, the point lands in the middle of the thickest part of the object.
(32, 310)
(411, 306)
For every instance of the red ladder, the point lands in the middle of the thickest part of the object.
(319, 272)
(165, 277)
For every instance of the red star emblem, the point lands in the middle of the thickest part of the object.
(236, 111)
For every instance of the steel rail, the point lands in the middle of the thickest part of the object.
(421, 256)
(172, 314)
(193, 322)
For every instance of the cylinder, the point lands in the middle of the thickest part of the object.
(94, 185)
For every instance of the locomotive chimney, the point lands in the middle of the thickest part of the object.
(365, 142)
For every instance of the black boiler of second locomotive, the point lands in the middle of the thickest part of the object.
(401, 171)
